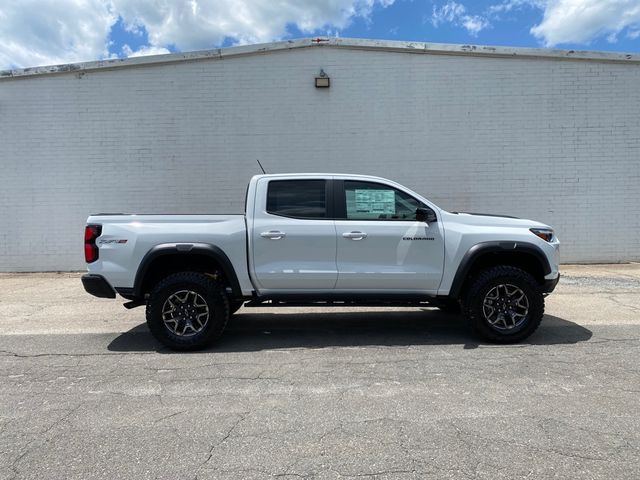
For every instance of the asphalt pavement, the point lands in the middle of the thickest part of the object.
(86, 393)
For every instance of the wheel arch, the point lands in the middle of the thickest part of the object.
(524, 255)
(168, 258)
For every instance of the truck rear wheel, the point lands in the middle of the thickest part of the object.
(187, 311)
(504, 304)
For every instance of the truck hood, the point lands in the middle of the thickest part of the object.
(490, 220)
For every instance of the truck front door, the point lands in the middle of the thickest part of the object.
(381, 246)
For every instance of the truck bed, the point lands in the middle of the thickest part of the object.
(127, 238)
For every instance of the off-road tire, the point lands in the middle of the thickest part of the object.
(214, 296)
(482, 285)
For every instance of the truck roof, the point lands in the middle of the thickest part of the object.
(319, 174)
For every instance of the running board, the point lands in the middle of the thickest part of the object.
(342, 301)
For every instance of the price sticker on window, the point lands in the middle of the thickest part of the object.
(375, 201)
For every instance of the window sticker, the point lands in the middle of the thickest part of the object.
(375, 201)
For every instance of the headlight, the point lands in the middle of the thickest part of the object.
(544, 233)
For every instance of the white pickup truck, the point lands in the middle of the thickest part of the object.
(322, 239)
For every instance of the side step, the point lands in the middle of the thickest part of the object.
(368, 301)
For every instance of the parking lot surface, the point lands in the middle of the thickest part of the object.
(86, 393)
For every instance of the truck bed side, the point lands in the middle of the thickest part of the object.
(126, 239)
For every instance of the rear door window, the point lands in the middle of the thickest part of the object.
(297, 198)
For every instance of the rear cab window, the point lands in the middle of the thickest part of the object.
(298, 198)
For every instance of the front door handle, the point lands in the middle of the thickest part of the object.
(355, 235)
(273, 235)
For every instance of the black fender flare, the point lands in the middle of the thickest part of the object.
(480, 249)
(206, 249)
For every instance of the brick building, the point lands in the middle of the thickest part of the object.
(545, 134)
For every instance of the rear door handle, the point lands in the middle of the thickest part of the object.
(354, 235)
(273, 235)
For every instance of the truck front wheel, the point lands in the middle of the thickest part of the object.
(504, 304)
(187, 311)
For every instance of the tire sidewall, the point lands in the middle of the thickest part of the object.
(212, 294)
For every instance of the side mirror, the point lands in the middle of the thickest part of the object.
(425, 214)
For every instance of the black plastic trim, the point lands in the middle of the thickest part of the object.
(550, 285)
(97, 286)
(339, 203)
(487, 215)
(494, 247)
(126, 293)
(186, 249)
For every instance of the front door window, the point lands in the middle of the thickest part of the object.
(373, 201)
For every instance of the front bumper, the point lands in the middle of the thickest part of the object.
(97, 286)
(549, 285)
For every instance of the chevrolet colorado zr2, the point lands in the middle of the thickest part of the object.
(322, 239)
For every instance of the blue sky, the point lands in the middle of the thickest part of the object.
(38, 32)
(418, 20)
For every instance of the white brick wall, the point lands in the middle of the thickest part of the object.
(552, 140)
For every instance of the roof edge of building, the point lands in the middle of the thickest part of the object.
(347, 43)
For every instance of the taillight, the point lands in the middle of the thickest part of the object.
(91, 233)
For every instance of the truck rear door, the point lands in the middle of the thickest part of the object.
(293, 237)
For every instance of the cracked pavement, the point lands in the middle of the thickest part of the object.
(86, 393)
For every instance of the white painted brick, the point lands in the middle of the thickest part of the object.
(552, 140)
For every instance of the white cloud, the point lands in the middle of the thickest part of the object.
(33, 32)
(456, 14)
(474, 24)
(449, 12)
(564, 21)
(38, 32)
(582, 21)
(143, 51)
(511, 5)
(192, 25)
